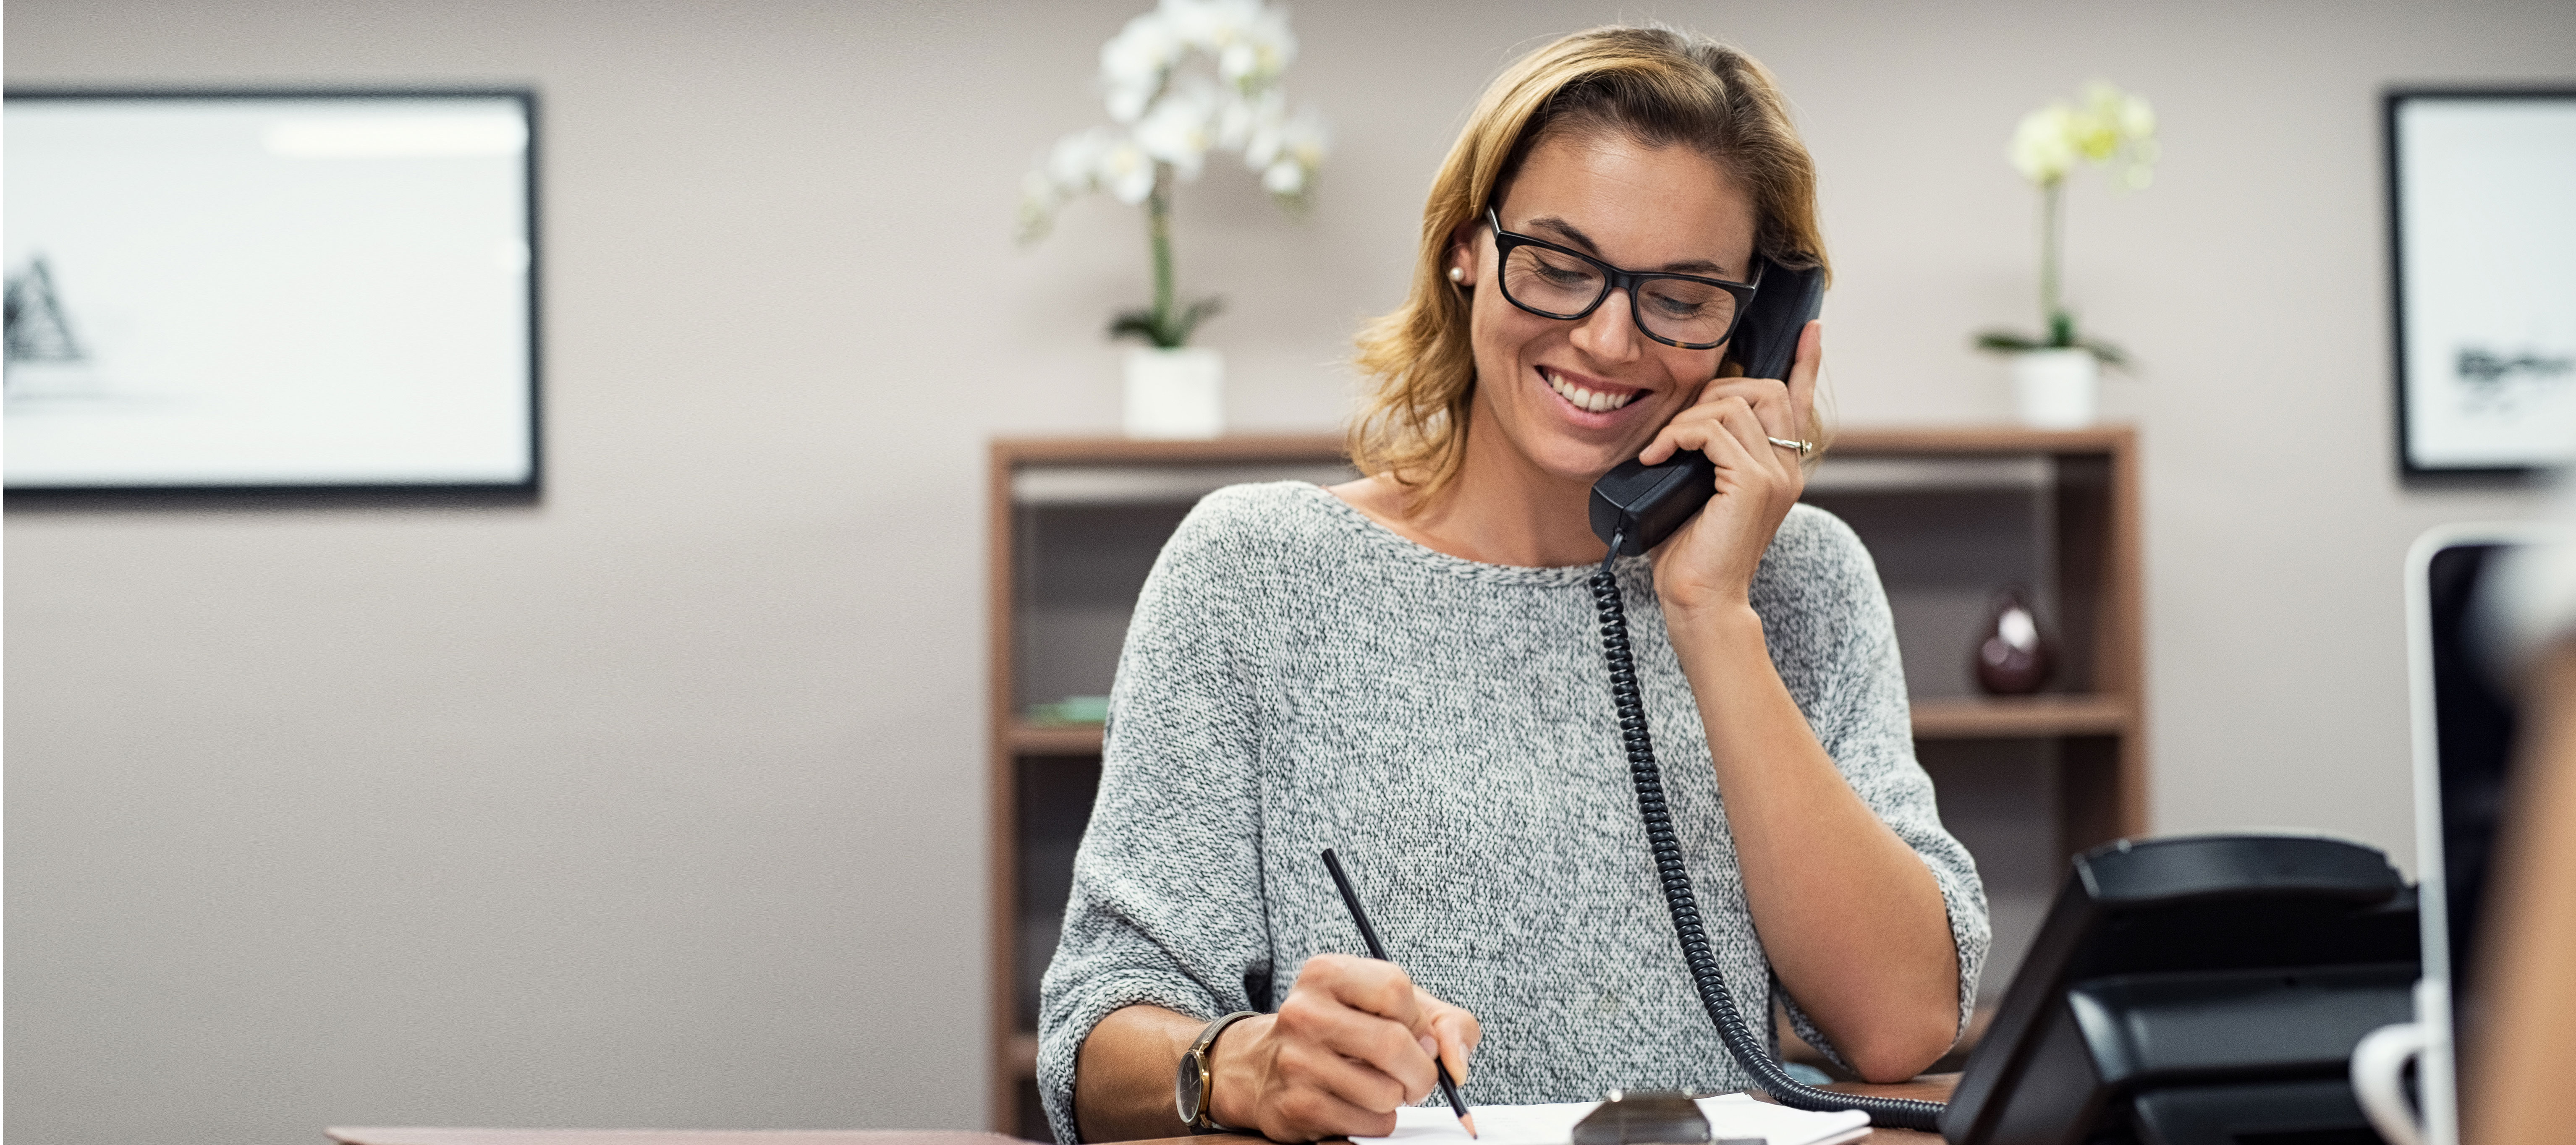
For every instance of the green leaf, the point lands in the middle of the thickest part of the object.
(1193, 314)
(1142, 324)
(2006, 342)
(1157, 330)
(2109, 354)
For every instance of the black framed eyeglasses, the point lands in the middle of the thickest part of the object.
(1683, 310)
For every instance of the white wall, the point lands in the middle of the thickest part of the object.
(660, 803)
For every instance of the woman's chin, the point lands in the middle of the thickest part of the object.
(1553, 444)
(1577, 460)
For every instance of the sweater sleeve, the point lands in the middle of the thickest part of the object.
(1826, 618)
(1166, 908)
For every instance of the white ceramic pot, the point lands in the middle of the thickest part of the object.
(2056, 389)
(1175, 393)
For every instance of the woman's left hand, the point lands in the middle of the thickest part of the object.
(1709, 562)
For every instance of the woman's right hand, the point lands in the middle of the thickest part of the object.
(1353, 1042)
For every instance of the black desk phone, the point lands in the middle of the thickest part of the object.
(2201, 990)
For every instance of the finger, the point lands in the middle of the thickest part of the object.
(1741, 444)
(1316, 1114)
(1729, 420)
(1660, 449)
(1780, 422)
(1771, 402)
(1457, 1032)
(1690, 430)
(1382, 1045)
(1386, 1049)
(1677, 435)
(1366, 984)
(1316, 1067)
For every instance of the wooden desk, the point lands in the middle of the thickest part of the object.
(1935, 1087)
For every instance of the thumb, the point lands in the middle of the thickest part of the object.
(1803, 371)
(1454, 1048)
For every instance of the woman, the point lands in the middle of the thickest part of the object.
(1406, 668)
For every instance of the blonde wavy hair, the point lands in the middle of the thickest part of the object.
(1658, 86)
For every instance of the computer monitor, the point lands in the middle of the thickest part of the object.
(2464, 725)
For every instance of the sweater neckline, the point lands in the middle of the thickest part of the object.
(1413, 552)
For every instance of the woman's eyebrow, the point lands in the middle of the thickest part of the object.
(1574, 234)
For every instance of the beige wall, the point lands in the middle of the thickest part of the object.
(659, 803)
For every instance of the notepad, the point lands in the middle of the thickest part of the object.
(1733, 1115)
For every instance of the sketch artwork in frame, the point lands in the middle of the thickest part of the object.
(271, 291)
(2482, 214)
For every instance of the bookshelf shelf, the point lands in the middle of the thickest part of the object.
(1039, 739)
(1934, 718)
(2020, 716)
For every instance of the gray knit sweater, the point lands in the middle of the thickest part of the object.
(1299, 677)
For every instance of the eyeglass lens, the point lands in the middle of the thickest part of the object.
(1560, 284)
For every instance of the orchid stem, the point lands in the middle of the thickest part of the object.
(1158, 213)
(2051, 312)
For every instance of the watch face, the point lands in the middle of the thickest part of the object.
(1187, 1088)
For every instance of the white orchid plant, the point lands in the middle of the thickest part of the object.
(1185, 79)
(2104, 127)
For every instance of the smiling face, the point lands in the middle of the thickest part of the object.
(1572, 399)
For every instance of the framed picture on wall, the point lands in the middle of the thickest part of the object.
(2482, 216)
(271, 291)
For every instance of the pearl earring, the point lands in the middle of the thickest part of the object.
(1458, 274)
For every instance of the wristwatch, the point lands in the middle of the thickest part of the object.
(1191, 1091)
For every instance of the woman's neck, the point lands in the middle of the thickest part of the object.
(1503, 509)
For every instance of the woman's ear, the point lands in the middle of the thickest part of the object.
(1462, 256)
(1462, 264)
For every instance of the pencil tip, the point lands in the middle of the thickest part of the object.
(1469, 1121)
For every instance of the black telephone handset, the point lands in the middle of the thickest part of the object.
(1643, 504)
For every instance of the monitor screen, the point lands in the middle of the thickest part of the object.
(2473, 727)
(258, 290)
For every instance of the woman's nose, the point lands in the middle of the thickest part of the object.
(1609, 333)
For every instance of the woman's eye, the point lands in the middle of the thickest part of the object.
(1562, 275)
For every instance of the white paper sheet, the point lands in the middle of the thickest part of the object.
(1733, 1115)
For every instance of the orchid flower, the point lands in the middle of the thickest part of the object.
(2105, 126)
(1181, 80)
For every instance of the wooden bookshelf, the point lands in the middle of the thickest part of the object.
(1062, 510)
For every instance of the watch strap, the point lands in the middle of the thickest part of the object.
(1205, 1119)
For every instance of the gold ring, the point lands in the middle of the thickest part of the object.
(1804, 448)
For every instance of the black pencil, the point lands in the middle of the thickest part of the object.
(1377, 950)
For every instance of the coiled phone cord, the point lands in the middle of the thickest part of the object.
(1894, 1112)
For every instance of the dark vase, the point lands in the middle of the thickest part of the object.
(2014, 658)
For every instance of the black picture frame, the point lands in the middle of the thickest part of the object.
(527, 491)
(2393, 102)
